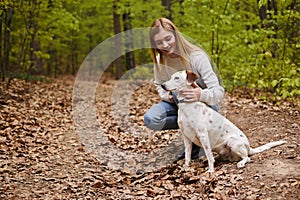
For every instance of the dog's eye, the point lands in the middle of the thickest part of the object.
(176, 78)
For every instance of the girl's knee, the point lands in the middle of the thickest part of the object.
(147, 120)
(152, 123)
(156, 117)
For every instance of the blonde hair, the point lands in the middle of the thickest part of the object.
(185, 48)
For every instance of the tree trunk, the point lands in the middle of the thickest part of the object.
(262, 11)
(51, 63)
(181, 11)
(168, 6)
(8, 17)
(212, 32)
(143, 39)
(2, 71)
(36, 60)
(22, 52)
(118, 42)
(129, 56)
(271, 5)
(35, 46)
(74, 56)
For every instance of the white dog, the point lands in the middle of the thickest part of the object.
(207, 128)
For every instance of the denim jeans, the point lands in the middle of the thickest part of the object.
(163, 115)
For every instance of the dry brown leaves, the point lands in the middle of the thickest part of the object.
(41, 157)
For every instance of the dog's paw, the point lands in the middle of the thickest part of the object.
(240, 165)
(243, 162)
(209, 174)
(187, 163)
(185, 166)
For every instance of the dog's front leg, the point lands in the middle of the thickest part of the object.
(187, 149)
(204, 139)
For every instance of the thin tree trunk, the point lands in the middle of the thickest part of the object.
(212, 33)
(2, 71)
(168, 6)
(8, 17)
(51, 64)
(22, 51)
(291, 33)
(144, 11)
(271, 5)
(262, 11)
(35, 46)
(74, 56)
(118, 42)
(181, 11)
(129, 56)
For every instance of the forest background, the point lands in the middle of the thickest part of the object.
(254, 43)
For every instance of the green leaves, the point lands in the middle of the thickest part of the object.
(252, 47)
(289, 85)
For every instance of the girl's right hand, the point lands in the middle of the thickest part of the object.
(171, 98)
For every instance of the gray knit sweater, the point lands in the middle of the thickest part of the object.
(211, 91)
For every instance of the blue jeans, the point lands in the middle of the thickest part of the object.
(163, 116)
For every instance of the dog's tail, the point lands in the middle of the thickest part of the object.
(266, 147)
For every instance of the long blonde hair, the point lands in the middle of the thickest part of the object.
(185, 48)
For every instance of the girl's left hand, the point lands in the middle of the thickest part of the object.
(191, 95)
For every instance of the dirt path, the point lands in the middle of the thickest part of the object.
(43, 157)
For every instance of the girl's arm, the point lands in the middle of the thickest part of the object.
(210, 92)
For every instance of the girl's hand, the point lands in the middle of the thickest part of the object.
(171, 98)
(191, 95)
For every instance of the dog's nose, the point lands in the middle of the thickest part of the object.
(164, 87)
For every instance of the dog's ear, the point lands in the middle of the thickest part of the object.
(191, 76)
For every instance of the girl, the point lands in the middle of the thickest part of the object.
(171, 52)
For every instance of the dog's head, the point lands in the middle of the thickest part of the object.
(180, 80)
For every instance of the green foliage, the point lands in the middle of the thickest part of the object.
(142, 73)
(250, 52)
(251, 49)
(27, 77)
(288, 85)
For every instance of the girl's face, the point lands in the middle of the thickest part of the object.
(166, 43)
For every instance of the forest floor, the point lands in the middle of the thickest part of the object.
(44, 156)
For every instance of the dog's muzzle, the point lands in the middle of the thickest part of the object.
(164, 87)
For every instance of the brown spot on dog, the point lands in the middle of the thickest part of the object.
(191, 76)
(197, 107)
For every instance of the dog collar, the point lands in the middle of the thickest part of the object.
(181, 101)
